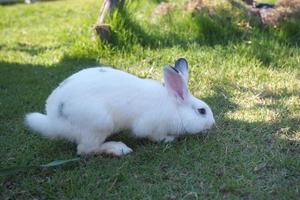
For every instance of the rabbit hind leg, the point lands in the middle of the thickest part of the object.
(96, 146)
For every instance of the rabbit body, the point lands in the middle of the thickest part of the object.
(96, 102)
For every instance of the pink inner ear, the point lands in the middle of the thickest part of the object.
(175, 84)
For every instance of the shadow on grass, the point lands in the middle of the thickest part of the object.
(211, 30)
(206, 30)
(11, 3)
(262, 144)
(29, 48)
(19, 82)
(16, 2)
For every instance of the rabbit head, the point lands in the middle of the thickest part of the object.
(196, 116)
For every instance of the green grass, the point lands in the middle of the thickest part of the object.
(250, 77)
(267, 1)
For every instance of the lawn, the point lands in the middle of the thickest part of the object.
(250, 76)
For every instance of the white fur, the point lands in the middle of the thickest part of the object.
(96, 102)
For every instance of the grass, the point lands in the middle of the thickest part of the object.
(249, 76)
(267, 1)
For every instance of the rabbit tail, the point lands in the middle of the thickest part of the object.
(41, 123)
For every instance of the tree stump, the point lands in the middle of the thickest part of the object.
(249, 2)
(104, 32)
(102, 29)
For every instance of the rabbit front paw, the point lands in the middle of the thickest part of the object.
(115, 148)
(167, 139)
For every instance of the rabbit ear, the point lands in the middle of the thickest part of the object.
(175, 83)
(182, 66)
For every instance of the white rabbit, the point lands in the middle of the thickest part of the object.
(96, 102)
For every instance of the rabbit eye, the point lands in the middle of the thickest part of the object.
(202, 111)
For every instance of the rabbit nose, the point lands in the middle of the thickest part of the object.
(213, 123)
